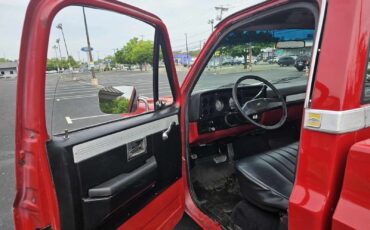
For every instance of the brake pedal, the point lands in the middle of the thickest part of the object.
(220, 159)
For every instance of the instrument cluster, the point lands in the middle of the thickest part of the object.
(217, 109)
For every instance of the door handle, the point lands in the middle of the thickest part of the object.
(165, 133)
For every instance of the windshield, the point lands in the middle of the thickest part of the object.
(279, 56)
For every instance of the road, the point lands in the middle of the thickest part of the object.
(74, 103)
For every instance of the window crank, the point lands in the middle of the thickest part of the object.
(165, 133)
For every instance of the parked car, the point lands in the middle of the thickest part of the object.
(285, 61)
(302, 62)
(233, 155)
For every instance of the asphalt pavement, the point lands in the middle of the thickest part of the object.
(74, 102)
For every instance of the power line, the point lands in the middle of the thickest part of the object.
(194, 43)
(191, 36)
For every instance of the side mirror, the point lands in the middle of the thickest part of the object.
(118, 99)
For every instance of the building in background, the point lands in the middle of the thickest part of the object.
(293, 51)
(8, 69)
(183, 59)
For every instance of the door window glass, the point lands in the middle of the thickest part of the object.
(99, 69)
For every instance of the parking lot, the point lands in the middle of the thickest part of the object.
(75, 105)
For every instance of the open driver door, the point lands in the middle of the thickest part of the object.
(85, 179)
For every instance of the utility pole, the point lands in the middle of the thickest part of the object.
(187, 50)
(221, 9)
(94, 80)
(55, 47)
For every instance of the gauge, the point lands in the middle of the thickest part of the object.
(219, 105)
(232, 103)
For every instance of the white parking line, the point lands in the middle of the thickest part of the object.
(69, 120)
(68, 89)
(150, 91)
(71, 97)
(88, 117)
(69, 93)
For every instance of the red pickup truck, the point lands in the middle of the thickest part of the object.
(292, 152)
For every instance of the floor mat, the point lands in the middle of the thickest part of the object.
(219, 203)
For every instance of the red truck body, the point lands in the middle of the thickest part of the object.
(332, 179)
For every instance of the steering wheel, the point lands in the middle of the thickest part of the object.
(259, 105)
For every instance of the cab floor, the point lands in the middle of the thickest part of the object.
(187, 223)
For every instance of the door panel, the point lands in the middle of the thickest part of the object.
(103, 176)
(97, 185)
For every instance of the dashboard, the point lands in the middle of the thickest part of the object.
(215, 109)
(213, 112)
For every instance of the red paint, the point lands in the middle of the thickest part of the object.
(353, 209)
(324, 183)
(338, 86)
(142, 107)
(196, 138)
(270, 117)
(164, 212)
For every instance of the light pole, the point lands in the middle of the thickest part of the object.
(60, 52)
(211, 21)
(55, 47)
(94, 80)
(60, 27)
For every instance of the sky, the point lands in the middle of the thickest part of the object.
(109, 31)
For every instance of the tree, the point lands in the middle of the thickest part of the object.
(136, 51)
(194, 53)
(4, 60)
(240, 43)
(54, 63)
(110, 62)
(117, 106)
(73, 62)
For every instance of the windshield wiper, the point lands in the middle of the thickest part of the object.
(284, 80)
